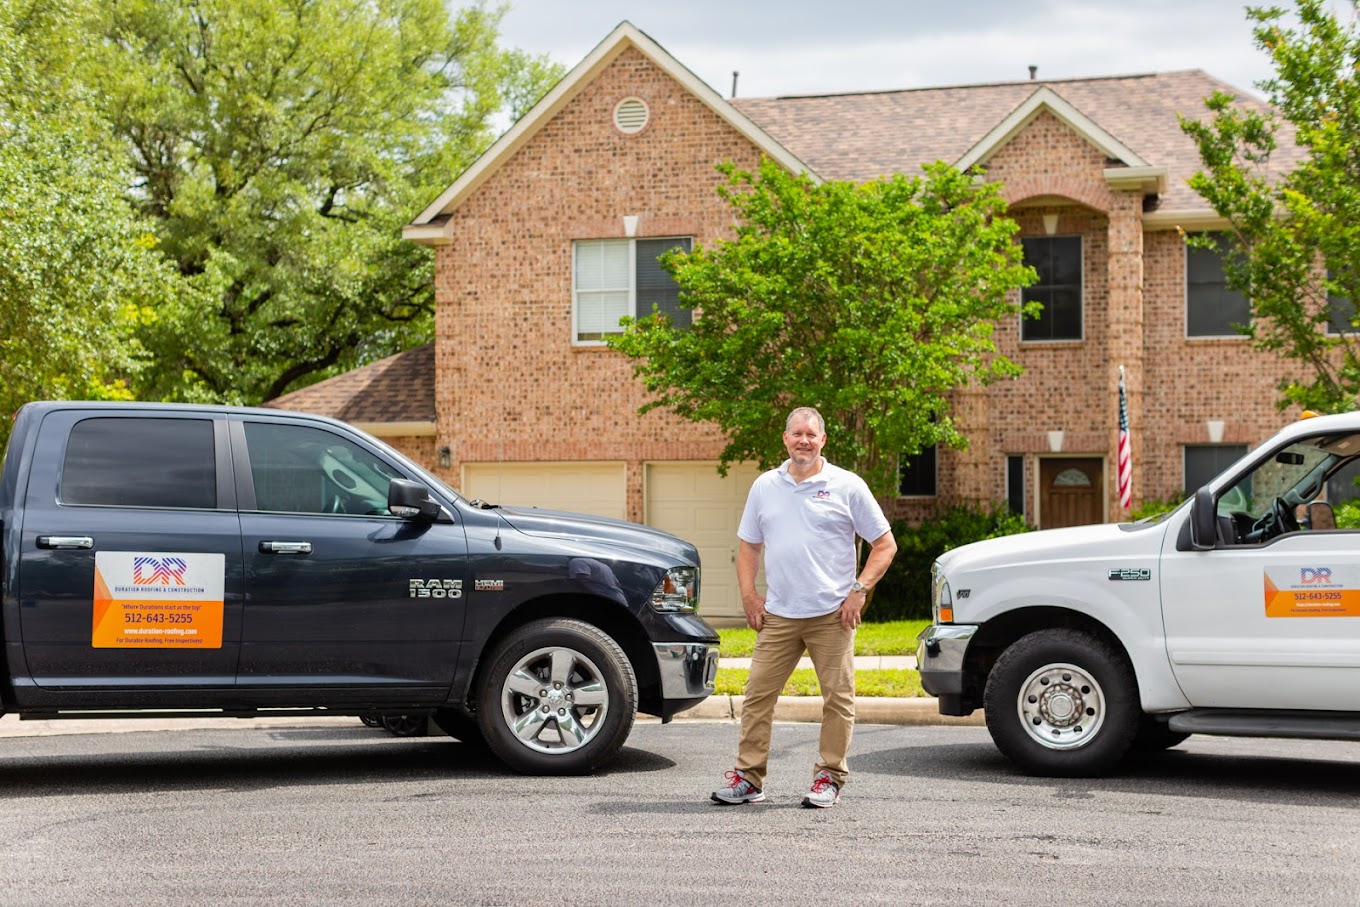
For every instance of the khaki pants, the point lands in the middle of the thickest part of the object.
(779, 645)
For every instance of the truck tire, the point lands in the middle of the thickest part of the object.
(558, 698)
(1062, 703)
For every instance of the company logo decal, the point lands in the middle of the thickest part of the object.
(1292, 590)
(1314, 576)
(162, 571)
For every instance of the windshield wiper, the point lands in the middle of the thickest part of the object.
(483, 505)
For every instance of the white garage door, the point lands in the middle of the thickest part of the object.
(692, 501)
(597, 488)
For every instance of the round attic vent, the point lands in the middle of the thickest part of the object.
(631, 115)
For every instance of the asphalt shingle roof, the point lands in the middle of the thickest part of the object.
(861, 137)
(399, 388)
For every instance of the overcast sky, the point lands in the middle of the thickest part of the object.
(828, 46)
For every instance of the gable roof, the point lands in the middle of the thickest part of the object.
(431, 225)
(1133, 118)
(395, 395)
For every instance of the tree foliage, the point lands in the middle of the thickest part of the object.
(279, 146)
(1297, 229)
(872, 302)
(77, 268)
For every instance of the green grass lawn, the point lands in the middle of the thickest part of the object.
(896, 637)
(892, 638)
(904, 683)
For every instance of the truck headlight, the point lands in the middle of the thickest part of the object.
(941, 599)
(678, 591)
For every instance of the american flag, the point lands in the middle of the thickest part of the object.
(1124, 457)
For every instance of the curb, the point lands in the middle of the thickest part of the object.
(868, 710)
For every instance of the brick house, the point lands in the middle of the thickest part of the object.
(554, 232)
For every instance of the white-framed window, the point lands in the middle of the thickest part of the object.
(1211, 308)
(617, 278)
(1057, 259)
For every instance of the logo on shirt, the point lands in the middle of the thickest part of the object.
(823, 495)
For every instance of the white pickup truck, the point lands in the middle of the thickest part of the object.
(1237, 613)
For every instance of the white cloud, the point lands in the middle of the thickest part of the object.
(816, 47)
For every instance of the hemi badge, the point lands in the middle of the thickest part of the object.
(489, 585)
(1130, 573)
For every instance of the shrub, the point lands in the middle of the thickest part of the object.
(904, 591)
(1154, 506)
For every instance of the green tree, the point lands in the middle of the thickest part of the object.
(280, 145)
(1296, 229)
(77, 268)
(871, 302)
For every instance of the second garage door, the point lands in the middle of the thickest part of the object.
(597, 488)
(692, 501)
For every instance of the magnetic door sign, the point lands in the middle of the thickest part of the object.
(157, 600)
(1313, 590)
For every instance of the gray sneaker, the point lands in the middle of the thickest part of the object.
(824, 791)
(738, 790)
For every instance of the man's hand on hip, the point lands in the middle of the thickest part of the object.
(753, 603)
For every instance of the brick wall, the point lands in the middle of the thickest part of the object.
(511, 387)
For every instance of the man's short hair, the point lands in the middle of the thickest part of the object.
(806, 412)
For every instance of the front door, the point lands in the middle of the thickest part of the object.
(1071, 492)
(340, 593)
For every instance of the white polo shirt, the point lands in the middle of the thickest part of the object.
(808, 529)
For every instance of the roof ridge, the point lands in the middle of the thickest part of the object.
(1001, 84)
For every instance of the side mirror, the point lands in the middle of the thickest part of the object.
(1203, 521)
(411, 500)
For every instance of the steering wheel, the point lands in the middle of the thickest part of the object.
(1283, 516)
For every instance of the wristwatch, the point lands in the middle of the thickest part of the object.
(857, 586)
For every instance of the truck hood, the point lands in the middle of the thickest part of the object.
(560, 524)
(1101, 541)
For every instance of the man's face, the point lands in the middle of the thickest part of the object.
(804, 441)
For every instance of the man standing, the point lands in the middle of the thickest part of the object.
(804, 516)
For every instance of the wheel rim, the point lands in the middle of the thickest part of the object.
(555, 700)
(1061, 706)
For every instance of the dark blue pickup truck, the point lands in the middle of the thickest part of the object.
(175, 560)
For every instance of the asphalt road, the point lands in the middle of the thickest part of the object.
(933, 815)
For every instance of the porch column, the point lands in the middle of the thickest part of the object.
(1125, 344)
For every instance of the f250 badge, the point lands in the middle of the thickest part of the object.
(1130, 573)
(436, 588)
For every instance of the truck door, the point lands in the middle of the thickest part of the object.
(340, 593)
(1271, 618)
(130, 567)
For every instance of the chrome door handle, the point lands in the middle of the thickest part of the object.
(285, 547)
(65, 541)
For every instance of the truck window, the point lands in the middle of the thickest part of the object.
(297, 469)
(139, 462)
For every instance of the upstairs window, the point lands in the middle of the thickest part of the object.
(1340, 312)
(617, 278)
(1211, 309)
(1057, 259)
